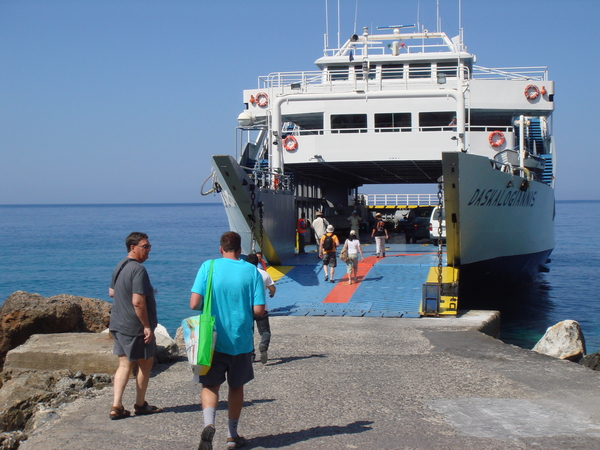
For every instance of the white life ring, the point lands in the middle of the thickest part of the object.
(290, 143)
(262, 99)
(532, 92)
(496, 138)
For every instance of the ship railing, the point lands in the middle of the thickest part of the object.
(350, 79)
(379, 78)
(399, 200)
(297, 130)
(511, 73)
(379, 46)
(269, 179)
(507, 167)
(293, 80)
(490, 128)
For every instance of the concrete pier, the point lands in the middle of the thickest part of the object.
(88, 352)
(364, 383)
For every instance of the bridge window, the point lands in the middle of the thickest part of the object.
(348, 123)
(436, 121)
(482, 120)
(390, 71)
(387, 122)
(338, 73)
(450, 69)
(359, 74)
(309, 123)
(491, 118)
(420, 70)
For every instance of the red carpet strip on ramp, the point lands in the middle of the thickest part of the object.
(342, 292)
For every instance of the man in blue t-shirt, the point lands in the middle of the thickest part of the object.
(237, 296)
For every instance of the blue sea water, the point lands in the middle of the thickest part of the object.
(72, 249)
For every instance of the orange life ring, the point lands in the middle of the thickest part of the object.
(532, 92)
(496, 138)
(290, 143)
(275, 182)
(262, 99)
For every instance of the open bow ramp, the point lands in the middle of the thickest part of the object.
(387, 287)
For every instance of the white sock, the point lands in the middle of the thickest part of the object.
(233, 426)
(209, 416)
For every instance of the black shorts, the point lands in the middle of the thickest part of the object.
(237, 368)
(330, 259)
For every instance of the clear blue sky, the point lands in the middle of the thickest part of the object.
(124, 101)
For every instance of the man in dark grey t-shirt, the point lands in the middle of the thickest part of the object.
(132, 323)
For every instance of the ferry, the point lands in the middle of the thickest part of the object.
(401, 107)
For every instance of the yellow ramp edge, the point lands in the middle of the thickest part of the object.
(449, 275)
(276, 272)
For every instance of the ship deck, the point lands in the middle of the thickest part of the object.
(387, 287)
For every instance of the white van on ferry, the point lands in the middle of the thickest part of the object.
(434, 222)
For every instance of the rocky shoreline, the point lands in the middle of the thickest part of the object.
(31, 397)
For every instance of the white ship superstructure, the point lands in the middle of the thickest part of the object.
(400, 108)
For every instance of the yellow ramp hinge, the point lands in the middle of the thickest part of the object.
(440, 299)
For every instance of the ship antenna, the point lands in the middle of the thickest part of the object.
(355, 16)
(326, 24)
(439, 19)
(339, 43)
(419, 16)
(396, 27)
(460, 28)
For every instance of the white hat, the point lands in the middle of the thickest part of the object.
(353, 232)
(319, 213)
(330, 229)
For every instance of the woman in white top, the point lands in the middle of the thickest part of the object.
(352, 245)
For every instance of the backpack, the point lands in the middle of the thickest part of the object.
(328, 242)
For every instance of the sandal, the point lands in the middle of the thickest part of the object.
(236, 442)
(119, 413)
(146, 409)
